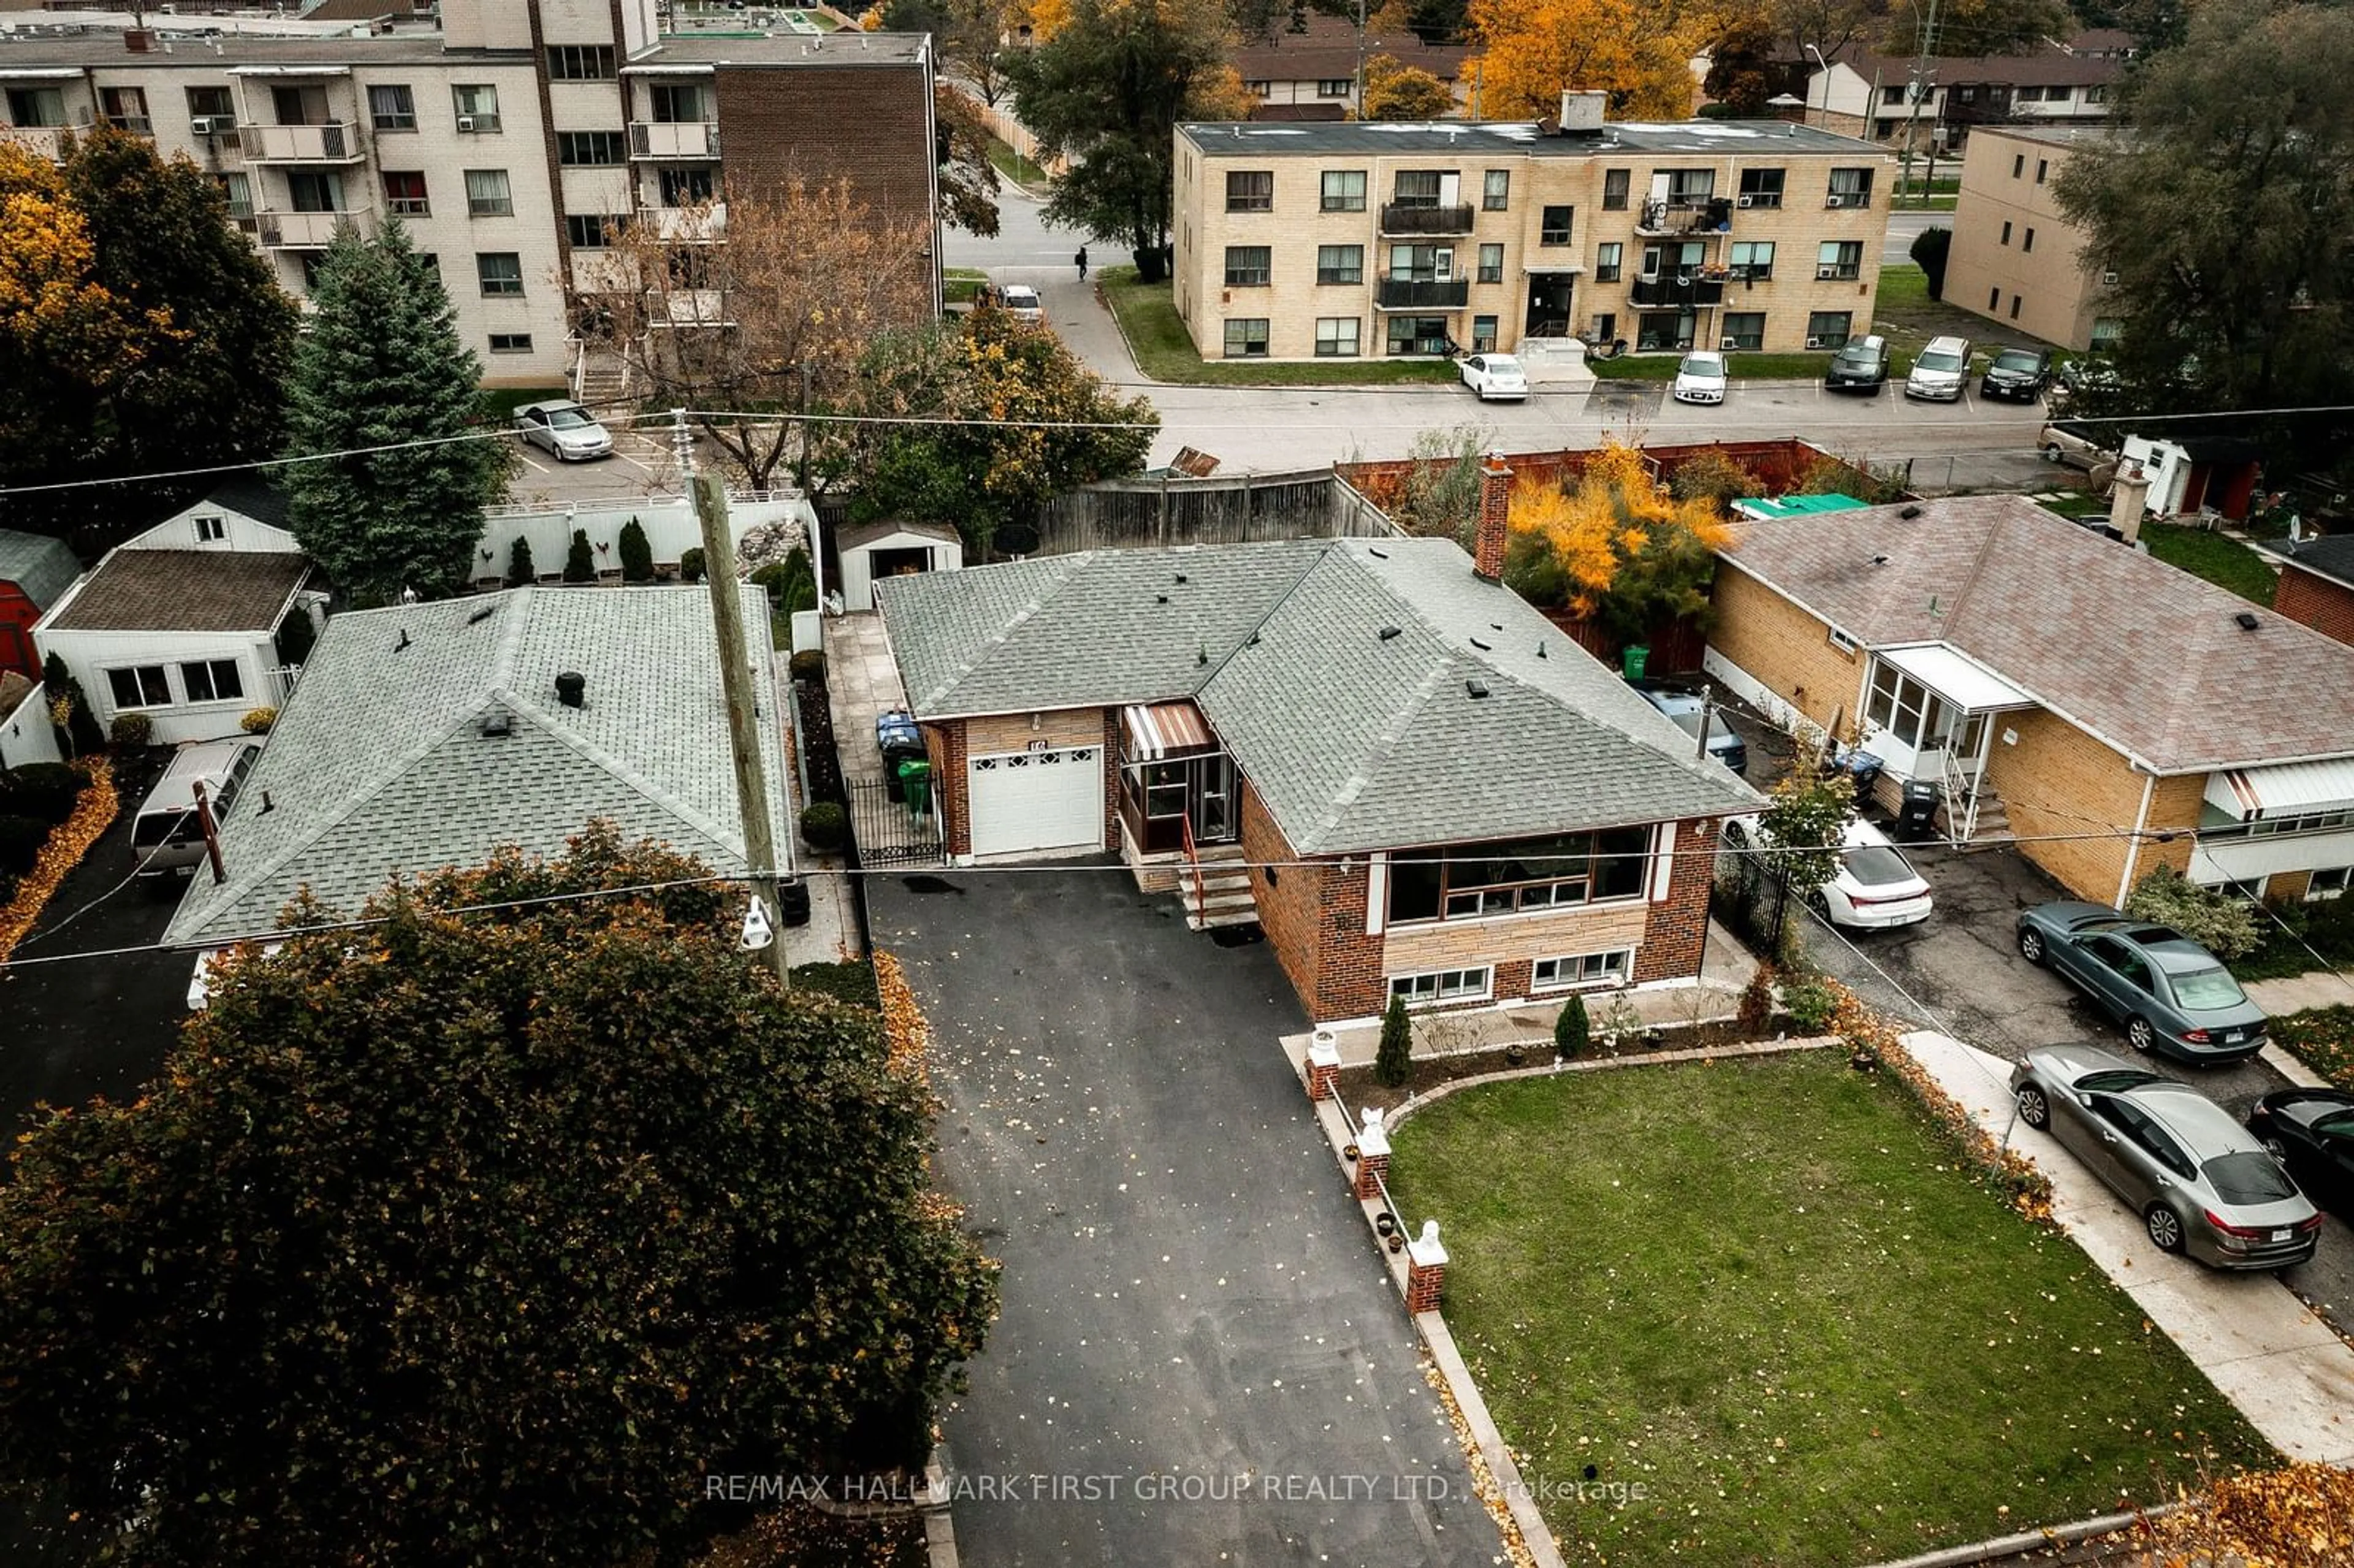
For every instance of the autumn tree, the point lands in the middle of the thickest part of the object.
(971, 36)
(1395, 91)
(384, 388)
(1106, 92)
(969, 181)
(1021, 422)
(138, 334)
(481, 1238)
(2225, 212)
(1616, 547)
(769, 324)
(1529, 51)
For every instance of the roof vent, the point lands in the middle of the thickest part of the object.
(1180, 577)
(403, 643)
(1389, 631)
(1477, 689)
(572, 689)
(1540, 652)
(482, 615)
(1161, 599)
(501, 723)
(1377, 554)
(1910, 512)
(2246, 620)
(1483, 647)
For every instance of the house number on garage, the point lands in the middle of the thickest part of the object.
(1041, 745)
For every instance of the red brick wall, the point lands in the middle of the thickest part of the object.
(946, 743)
(868, 123)
(1314, 918)
(2325, 606)
(1111, 778)
(1350, 983)
(1286, 900)
(1495, 509)
(1677, 930)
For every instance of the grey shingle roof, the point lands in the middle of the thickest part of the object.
(42, 567)
(2151, 659)
(2328, 555)
(1354, 740)
(185, 590)
(378, 764)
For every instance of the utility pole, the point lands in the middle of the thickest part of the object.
(743, 705)
(1919, 89)
(1361, 59)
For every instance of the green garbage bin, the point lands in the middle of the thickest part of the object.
(1633, 660)
(916, 787)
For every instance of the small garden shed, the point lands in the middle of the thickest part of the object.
(874, 550)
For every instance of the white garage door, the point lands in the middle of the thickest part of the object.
(1037, 799)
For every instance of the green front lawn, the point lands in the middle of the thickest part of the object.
(958, 284)
(1740, 366)
(1765, 1294)
(1165, 353)
(1014, 166)
(2222, 560)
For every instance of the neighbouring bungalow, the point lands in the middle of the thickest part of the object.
(2109, 712)
(1416, 784)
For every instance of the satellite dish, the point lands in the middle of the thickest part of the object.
(759, 933)
(1015, 539)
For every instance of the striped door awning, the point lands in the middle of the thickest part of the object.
(1157, 730)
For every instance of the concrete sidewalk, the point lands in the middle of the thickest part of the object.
(2296, 993)
(2281, 1365)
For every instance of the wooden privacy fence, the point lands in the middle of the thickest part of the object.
(1130, 513)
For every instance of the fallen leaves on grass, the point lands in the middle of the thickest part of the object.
(68, 843)
(2298, 1516)
(906, 1032)
(1483, 1479)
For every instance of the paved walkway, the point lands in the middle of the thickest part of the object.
(2295, 993)
(2279, 1363)
(861, 680)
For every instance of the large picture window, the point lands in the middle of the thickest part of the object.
(140, 687)
(1474, 881)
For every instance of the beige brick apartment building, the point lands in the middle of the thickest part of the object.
(1310, 241)
(510, 138)
(2016, 259)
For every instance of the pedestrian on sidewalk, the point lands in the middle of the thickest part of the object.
(1082, 259)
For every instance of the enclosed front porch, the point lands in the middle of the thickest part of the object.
(1932, 715)
(1180, 812)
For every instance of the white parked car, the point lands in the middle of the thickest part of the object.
(1020, 300)
(1874, 889)
(1496, 376)
(1700, 379)
(563, 428)
(1942, 371)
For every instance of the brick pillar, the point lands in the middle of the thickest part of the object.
(1495, 502)
(1426, 1269)
(1323, 1065)
(1373, 1156)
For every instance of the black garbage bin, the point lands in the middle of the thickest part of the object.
(793, 903)
(1917, 810)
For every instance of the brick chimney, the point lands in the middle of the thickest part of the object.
(1495, 504)
(2128, 497)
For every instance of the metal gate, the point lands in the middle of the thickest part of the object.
(886, 832)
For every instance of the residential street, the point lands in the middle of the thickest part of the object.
(1190, 1298)
(1967, 445)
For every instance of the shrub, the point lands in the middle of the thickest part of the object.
(579, 562)
(1394, 1057)
(1811, 1004)
(637, 556)
(825, 827)
(44, 790)
(2226, 926)
(690, 564)
(81, 725)
(21, 838)
(296, 637)
(1755, 1015)
(809, 664)
(1930, 249)
(1573, 1031)
(795, 588)
(1712, 476)
(130, 730)
(850, 982)
(259, 721)
(521, 572)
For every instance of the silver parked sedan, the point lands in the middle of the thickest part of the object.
(2202, 1183)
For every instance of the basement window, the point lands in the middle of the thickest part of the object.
(1442, 985)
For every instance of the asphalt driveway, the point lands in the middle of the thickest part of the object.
(1200, 1359)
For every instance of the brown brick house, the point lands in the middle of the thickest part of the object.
(2111, 711)
(2317, 584)
(1414, 783)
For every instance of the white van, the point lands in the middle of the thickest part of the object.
(167, 839)
(1941, 372)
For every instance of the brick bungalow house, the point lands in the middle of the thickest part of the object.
(2111, 711)
(1412, 781)
(2317, 583)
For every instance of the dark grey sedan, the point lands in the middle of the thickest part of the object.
(2200, 1181)
(2313, 1132)
(2172, 995)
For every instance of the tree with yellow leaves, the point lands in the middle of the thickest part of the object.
(1395, 91)
(1639, 54)
(1617, 549)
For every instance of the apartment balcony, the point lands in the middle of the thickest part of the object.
(337, 141)
(687, 309)
(1677, 289)
(692, 225)
(1402, 217)
(40, 141)
(1677, 217)
(695, 141)
(307, 230)
(1403, 294)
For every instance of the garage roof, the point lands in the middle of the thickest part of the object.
(1376, 693)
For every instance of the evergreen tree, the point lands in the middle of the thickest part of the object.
(579, 563)
(382, 366)
(1393, 1058)
(637, 556)
(520, 571)
(1572, 1029)
(82, 735)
